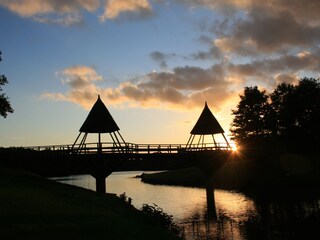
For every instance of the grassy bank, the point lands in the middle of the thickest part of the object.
(32, 207)
(243, 176)
(189, 177)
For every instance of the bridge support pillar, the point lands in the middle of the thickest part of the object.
(100, 184)
(211, 207)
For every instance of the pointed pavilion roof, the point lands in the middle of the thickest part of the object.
(206, 124)
(99, 120)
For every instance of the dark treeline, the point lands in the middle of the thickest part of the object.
(5, 106)
(285, 120)
(279, 137)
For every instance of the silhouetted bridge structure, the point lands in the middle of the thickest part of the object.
(132, 148)
(101, 158)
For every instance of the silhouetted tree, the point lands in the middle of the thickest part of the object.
(289, 117)
(249, 125)
(307, 113)
(295, 113)
(5, 106)
(281, 119)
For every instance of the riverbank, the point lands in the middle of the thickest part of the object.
(188, 177)
(34, 208)
(244, 178)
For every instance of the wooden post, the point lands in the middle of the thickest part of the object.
(99, 144)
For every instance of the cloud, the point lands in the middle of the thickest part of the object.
(81, 81)
(271, 71)
(40, 10)
(211, 54)
(290, 78)
(58, 12)
(65, 20)
(161, 58)
(263, 68)
(29, 8)
(307, 9)
(258, 27)
(254, 41)
(183, 88)
(263, 32)
(137, 8)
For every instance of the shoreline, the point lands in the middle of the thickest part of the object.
(271, 187)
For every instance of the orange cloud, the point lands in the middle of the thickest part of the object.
(113, 8)
(182, 88)
(81, 80)
(28, 8)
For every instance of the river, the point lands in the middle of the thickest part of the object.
(239, 217)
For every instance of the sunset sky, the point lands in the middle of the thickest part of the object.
(154, 62)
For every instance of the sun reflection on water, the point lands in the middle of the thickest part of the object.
(234, 205)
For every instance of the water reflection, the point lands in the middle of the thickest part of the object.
(235, 206)
(239, 217)
(233, 210)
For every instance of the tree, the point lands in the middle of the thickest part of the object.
(288, 117)
(281, 118)
(249, 124)
(5, 106)
(307, 113)
(296, 114)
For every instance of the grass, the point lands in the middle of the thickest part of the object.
(32, 207)
(245, 176)
(181, 177)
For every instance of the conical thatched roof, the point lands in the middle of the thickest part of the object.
(207, 123)
(99, 120)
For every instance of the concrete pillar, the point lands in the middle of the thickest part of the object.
(101, 184)
(211, 207)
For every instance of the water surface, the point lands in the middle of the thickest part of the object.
(238, 216)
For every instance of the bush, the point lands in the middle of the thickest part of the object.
(126, 199)
(160, 216)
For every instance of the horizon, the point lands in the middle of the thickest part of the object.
(154, 63)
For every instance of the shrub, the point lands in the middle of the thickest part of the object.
(160, 216)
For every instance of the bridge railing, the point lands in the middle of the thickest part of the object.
(110, 147)
(66, 147)
(154, 148)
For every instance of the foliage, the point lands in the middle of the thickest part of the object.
(281, 116)
(126, 199)
(160, 216)
(250, 117)
(5, 106)
(288, 117)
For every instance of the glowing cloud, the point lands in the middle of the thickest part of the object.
(183, 88)
(113, 8)
(81, 80)
(28, 8)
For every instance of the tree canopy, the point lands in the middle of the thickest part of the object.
(5, 106)
(249, 121)
(287, 118)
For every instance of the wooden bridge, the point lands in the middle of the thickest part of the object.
(132, 148)
(102, 158)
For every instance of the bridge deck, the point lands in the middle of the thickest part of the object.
(108, 147)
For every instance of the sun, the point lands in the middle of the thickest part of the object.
(234, 147)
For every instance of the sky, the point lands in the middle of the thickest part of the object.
(153, 62)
